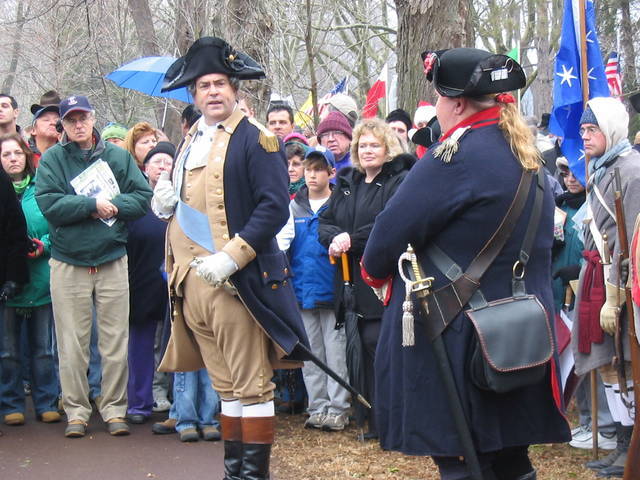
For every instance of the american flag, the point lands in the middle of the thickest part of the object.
(612, 70)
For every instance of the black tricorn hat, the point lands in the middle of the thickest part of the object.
(210, 55)
(48, 99)
(427, 136)
(635, 101)
(471, 72)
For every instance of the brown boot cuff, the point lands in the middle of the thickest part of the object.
(231, 428)
(258, 430)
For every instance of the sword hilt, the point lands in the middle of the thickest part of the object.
(420, 286)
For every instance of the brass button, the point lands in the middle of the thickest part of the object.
(265, 274)
(286, 271)
(190, 247)
(284, 282)
(188, 185)
(187, 198)
(274, 287)
(216, 175)
(220, 206)
(223, 223)
(225, 236)
(219, 191)
(190, 173)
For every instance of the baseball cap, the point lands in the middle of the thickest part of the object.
(323, 152)
(74, 103)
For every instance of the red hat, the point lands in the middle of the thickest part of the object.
(335, 121)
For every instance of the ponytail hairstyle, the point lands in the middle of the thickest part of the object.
(516, 131)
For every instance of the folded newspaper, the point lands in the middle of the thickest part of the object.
(97, 181)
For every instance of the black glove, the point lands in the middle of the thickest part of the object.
(8, 291)
(568, 273)
(624, 271)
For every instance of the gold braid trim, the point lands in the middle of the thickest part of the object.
(267, 139)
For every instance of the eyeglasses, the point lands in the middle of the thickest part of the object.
(156, 162)
(332, 134)
(589, 130)
(81, 120)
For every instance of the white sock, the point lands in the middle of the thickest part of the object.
(625, 412)
(612, 402)
(266, 409)
(231, 408)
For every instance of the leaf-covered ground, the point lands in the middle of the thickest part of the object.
(302, 454)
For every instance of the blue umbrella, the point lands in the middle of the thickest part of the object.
(146, 75)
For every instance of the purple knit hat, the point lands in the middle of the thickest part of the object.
(335, 121)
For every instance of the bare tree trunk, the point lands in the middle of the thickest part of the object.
(249, 28)
(543, 86)
(627, 46)
(7, 84)
(426, 25)
(147, 39)
(308, 39)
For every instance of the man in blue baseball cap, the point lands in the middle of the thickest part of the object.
(87, 190)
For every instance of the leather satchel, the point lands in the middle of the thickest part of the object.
(513, 338)
(513, 345)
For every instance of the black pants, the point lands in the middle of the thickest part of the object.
(369, 330)
(506, 464)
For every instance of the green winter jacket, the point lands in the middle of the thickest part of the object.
(76, 237)
(36, 292)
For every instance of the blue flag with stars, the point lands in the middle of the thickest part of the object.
(567, 85)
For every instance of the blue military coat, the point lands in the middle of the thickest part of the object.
(458, 205)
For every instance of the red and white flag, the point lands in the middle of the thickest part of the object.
(377, 91)
(612, 71)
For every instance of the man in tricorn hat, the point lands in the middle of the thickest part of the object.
(234, 310)
(464, 184)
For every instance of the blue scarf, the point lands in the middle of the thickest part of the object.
(598, 165)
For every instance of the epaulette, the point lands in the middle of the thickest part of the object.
(267, 138)
(448, 148)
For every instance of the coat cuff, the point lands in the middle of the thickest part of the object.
(372, 281)
(240, 251)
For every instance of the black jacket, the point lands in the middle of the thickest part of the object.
(14, 243)
(346, 213)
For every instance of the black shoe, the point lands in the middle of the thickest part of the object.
(529, 476)
(137, 418)
(370, 436)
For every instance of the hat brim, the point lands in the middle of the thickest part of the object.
(635, 102)
(44, 109)
(76, 109)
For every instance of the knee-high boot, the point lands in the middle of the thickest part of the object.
(232, 436)
(257, 438)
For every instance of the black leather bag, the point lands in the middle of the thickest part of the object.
(513, 344)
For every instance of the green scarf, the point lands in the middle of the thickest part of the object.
(295, 186)
(22, 185)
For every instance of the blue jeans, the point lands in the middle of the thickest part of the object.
(44, 385)
(195, 402)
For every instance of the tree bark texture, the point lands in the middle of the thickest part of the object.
(7, 83)
(426, 25)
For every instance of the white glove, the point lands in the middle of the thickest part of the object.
(611, 309)
(215, 269)
(340, 243)
(164, 197)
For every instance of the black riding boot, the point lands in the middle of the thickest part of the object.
(528, 476)
(232, 436)
(257, 438)
(616, 469)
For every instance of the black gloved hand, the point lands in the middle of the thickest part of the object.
(624, 272)
(8, 291)
(568, 273)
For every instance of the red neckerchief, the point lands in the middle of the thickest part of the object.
(490, 116)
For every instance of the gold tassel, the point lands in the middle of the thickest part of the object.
(447, 149)
(267, 139)
(269, 143)
(408, 330)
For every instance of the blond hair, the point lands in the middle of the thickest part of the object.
(382, 131)
(134, 134)
(516, 131)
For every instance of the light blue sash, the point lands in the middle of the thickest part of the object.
(195, 225)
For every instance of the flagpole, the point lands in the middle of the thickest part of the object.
(584, 76)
